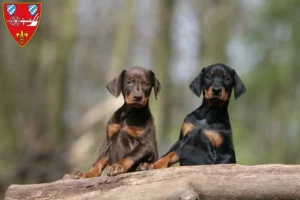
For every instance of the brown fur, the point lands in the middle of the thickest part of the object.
(122, 166)
(111, 129)
(166, 161)
(186, 128)
(208, 93)
(95, 170)
(133, 131)
(214, 137)
(129, 100)
(127, 146)
(224, 96)
(126, 162)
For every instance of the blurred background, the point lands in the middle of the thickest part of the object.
(54, 105)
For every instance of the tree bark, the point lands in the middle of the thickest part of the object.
(162, 54)
(121, 40)
(190, 182)
(216, 19)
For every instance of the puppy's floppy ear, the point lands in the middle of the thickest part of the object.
(115, 85)
(156, 84)
(239, 87)
(197, 84)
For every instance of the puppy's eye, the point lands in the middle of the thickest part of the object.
(208, 77)
(147, 84)
(227, 78)
(129, 83)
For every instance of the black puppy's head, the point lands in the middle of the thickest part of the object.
(135, 84)
(217, 82)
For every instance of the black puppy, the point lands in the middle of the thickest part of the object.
(131, 137)
(206, 136)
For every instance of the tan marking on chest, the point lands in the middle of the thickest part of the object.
(187, 127)
(214, 137)
(133, 131)
(111, 129)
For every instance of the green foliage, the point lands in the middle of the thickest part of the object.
(271, 129)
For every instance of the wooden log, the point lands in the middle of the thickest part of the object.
(190, 182)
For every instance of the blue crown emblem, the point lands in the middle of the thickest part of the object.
(32, 8)
(11, 9)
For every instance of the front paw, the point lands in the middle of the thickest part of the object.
(89, 174)
(143, 167)
(116, 169)
(78, 175)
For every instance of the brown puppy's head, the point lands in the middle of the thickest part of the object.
(135, 84)
(217, 82)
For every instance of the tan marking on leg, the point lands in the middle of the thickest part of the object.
(166, 161)
(214, 137)
(96, 170)
(133, 131)
(186, 128)
(126, 162)
(111, 129)
(120, 167)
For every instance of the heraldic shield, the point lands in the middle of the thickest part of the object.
(22, 20)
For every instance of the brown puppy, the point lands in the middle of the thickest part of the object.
(131, 137)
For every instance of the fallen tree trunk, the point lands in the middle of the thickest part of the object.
(192, 182)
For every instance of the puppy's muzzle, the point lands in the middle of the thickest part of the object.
(137, 96)
(216, 91)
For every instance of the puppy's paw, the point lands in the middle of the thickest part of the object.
(89, 174)
(143, 167)
(116, 169)
(77, 175)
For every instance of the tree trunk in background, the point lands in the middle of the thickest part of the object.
(9, 143)
(6, 125)
(215, 19)
(56, 87)
(41, 156)
(122, 39)
(161, 67)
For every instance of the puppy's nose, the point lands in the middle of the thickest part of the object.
(216, 90)
(137, 97)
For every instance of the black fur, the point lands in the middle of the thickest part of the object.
(206, 135)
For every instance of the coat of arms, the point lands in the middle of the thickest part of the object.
(22, 20)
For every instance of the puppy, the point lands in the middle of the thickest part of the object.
(206, 135)
(130, 132)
